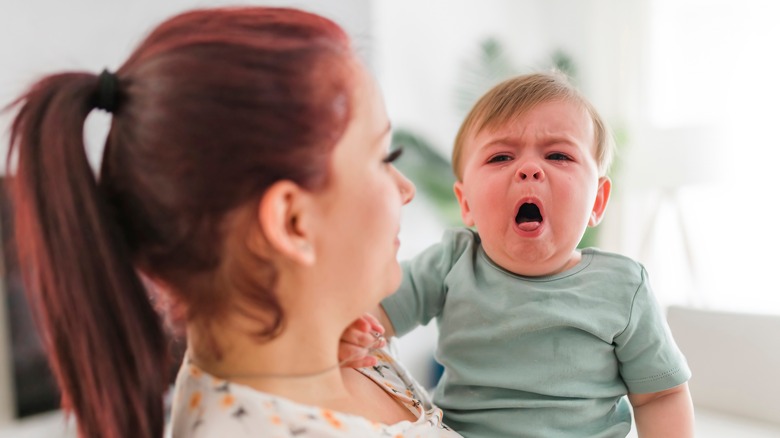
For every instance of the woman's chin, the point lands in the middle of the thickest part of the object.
(395, 281)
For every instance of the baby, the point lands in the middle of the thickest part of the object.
(538, 338)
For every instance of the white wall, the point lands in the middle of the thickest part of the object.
(420, 50)
(713, 64)
(42, 36)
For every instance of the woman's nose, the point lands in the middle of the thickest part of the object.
(406, 187)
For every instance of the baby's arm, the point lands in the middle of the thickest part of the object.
(666, 413)
(419, 298)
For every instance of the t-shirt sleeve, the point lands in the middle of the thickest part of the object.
(421, 296)
(650, 360)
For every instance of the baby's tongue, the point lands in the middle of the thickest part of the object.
(529, 226)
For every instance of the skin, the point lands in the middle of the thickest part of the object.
(547, 157)
(334, 251)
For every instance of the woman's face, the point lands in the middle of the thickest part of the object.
(361, 206)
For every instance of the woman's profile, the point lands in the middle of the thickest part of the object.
(247, 197)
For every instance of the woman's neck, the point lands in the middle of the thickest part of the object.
(300, 364)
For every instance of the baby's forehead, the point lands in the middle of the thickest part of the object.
(549, 117)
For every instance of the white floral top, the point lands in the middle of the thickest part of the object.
(205, 406)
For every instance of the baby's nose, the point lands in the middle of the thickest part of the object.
(530, 171)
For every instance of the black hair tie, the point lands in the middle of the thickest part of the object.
(108, 92)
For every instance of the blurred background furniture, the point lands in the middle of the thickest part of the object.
(735, 360)
(663, 162)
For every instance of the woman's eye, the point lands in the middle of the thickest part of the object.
(558, 157)
(394, 155)
(499, 158)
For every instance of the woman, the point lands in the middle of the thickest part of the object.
(246, 178)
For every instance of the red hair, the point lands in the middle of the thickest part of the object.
(214, 106)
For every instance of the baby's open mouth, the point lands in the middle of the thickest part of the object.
(528, 217)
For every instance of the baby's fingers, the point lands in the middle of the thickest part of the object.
(355, 356)
(358, 337)
(374, 323)
(357, 341)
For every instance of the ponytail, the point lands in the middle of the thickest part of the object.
(104, 341)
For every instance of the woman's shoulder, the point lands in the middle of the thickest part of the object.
(205, 406)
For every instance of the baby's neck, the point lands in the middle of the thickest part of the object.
(576, 257)
(541, 268)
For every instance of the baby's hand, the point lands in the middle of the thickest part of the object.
(358, 340)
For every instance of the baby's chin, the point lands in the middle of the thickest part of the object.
(532, 259)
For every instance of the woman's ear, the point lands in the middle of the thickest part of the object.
(283, 216)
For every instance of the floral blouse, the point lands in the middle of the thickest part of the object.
(205, 406)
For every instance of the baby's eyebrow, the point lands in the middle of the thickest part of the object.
(504, 141)
(559, 138)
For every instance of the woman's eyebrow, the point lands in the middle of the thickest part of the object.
(388, 129)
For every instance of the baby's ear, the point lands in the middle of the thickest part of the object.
(465, 211)
(602, 199)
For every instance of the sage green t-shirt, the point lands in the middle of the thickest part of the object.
(549, 356)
